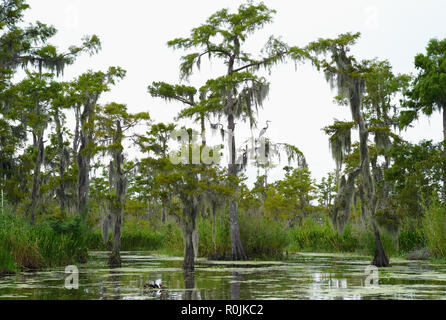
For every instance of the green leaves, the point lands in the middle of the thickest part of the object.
(428, 92)
(11, 12)
(246, 20)
(342, 42)
(168, 92)
(223, 35)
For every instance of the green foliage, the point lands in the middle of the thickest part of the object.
(414, 175)
(428, 92)
(326, 190)
(434, 224)
(411, 237)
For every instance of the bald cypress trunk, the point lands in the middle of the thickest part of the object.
(190, 216)
(37, 173)
(380, 259)
(117, 196)
(76, 131)
(203, 130)
(237, 252)
(63, 162)
(369, 200)
(83, 160)
(83, 179)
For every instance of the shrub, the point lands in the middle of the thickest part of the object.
(263, 238)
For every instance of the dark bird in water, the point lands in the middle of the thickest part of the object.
(154, 285)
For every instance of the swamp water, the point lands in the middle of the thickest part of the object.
(304, 276)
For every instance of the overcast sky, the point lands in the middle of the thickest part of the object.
(134, 35)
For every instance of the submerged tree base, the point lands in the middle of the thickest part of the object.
(114, 260)
(380, 260)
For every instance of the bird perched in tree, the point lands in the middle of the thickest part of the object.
(262, 132)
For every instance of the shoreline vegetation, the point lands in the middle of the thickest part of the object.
(53, 242)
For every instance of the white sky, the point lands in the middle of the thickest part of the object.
(134, 35)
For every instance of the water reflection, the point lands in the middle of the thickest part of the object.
(190, 293)
(234, 289)
(115, 284)
(308, 276)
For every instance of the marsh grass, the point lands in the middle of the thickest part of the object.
(262, 238)
(50, 243)
(138, 234)
(319, 236)
(434, 226)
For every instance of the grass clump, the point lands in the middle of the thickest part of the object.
(47, 244)
(261, 238)
(434, 227)
(138, 234)
(319, 236)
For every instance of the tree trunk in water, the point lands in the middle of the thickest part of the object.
(190, 215)
(380, 259)
(115, 257)
(36, 178)
(237, 251)
(189, 252)
(118, 195)
(236, 244)
(369, 201)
